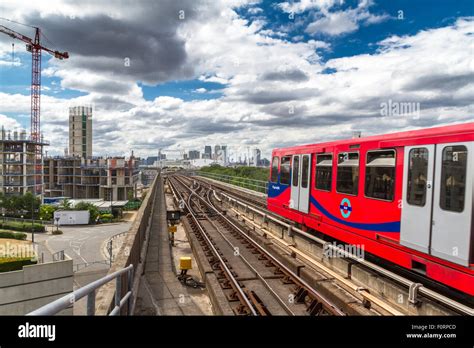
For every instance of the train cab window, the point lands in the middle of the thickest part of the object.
(323, 172)
(380, 174)
(348, 173)
(274, 175)
(417, 176)
(296, 167)
(453, 178)
(285, 170)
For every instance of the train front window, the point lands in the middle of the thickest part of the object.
(380, 175)
(417, 176)
(324, 172)
(348, 173)
(453, 178)
(285, 170)
(274, 175)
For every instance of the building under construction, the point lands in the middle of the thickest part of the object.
(75, 177)
(18, 163)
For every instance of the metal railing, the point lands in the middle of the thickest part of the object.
(251, 184)
(89, 290)
(59, 256)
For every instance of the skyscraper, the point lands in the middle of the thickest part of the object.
(80, 131)
(217, 152)
(224, 154)
(256, 157)
(207, 152)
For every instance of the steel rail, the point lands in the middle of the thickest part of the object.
(235, 283)
(257, 274)
(322, 299)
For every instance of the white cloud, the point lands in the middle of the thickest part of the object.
(344, 21)
(265, 77)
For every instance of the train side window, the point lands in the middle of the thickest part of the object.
(296, 168)
(348, 173)
(285, 170)
(453, 178)
(274, 175)
(323, 172)
(417, 176)
(380, 174)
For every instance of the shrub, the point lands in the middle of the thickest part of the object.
(47, 212)
(12, 235)
(8, 264)
(57, 232)
(107, 216)
(22, 226)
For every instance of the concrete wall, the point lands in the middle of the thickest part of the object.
(132, 251)
(36, 285)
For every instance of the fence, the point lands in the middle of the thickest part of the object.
(90, 291)
(251, 184)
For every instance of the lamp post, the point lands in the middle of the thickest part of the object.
(57, 223)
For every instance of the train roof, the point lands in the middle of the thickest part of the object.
(446, 131)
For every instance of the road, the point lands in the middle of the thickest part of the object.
(84, 244)
(81, 243)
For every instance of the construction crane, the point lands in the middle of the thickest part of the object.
(34, 46)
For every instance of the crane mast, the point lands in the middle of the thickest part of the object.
(34, 46)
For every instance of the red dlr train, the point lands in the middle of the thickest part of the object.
(405, 197)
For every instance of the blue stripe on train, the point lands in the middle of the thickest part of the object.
(378, 227)
(274, 190)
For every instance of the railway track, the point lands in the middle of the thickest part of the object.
(443, 300)
(254, 281)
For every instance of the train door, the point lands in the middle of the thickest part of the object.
(438, 200)
(295, 182)
(417, 196)
(452, 202)
(305, 183)
(300, 182)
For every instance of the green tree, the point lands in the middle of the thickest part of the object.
(65, 204)
(130, 195)
(29, 203)
(93, 210)
(47, 212)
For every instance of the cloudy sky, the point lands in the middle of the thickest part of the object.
(183, 74)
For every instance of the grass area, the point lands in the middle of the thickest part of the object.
(8, 264)
(21, 226)
(240, 176)
(12, 235)
(254, 173)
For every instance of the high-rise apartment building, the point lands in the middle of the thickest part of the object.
(80, 131)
